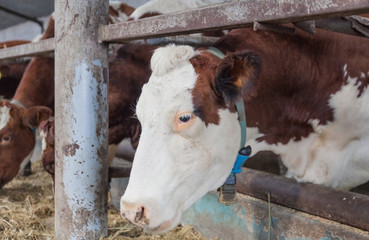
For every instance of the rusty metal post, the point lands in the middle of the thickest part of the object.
(81, 120)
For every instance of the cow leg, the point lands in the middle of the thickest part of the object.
(111, 154)
(27, 171)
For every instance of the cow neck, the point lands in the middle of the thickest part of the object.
(227, 194)
(240, 107)
(18, 103)
(35, 154)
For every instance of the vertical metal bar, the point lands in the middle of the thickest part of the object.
(81, 119)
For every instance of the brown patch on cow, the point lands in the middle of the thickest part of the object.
(37, 84)
(19, 143)
(206, 100)
(129, 71)
(70, 149)
(124, 8)
(298, 75)
(34, 115)
(236, 75)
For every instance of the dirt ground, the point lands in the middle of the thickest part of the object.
(27, 212)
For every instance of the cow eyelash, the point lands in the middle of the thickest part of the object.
(185, 118)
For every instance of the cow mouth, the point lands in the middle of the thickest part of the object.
(163, 227)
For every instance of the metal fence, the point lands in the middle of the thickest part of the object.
(82, 36)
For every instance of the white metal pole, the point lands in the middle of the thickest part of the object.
(81, 120)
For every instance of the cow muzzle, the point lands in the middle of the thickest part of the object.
(139, 215)
(134, 213)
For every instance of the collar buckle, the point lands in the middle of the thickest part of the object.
(227, 193)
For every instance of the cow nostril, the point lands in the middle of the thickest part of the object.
(139, 214)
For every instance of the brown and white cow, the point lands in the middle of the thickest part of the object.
(129, 70)
(14, 137)
(36, 89)
(306, 99)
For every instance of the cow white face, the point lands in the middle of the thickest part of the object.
(186, 148)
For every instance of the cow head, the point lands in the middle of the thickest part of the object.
(17, 138)
(47, 134)
(190, 132)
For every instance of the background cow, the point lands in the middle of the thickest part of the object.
(305, 98)
(38, 84)
(36, 88)
(129, 69)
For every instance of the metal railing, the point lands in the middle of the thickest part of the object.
(76, 222)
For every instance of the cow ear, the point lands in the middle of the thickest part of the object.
(33, 116)
(236, 75)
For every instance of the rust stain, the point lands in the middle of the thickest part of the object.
(70, 149)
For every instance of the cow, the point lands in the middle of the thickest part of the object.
(129, 70)
(36, 89)
(305, 97)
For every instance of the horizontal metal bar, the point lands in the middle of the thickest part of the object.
(340, 206)
(31, 49)
(221, 16)
(230, 15)
(181, 39)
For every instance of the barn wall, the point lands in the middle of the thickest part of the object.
(24, 31)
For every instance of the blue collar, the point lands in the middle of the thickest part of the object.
(240, 107)
(227, 194)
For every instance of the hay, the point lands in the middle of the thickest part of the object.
(27, 212)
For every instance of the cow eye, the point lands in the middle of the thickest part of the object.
(184, 120)
(6, 138)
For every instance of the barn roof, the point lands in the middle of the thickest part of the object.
(13, 12)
